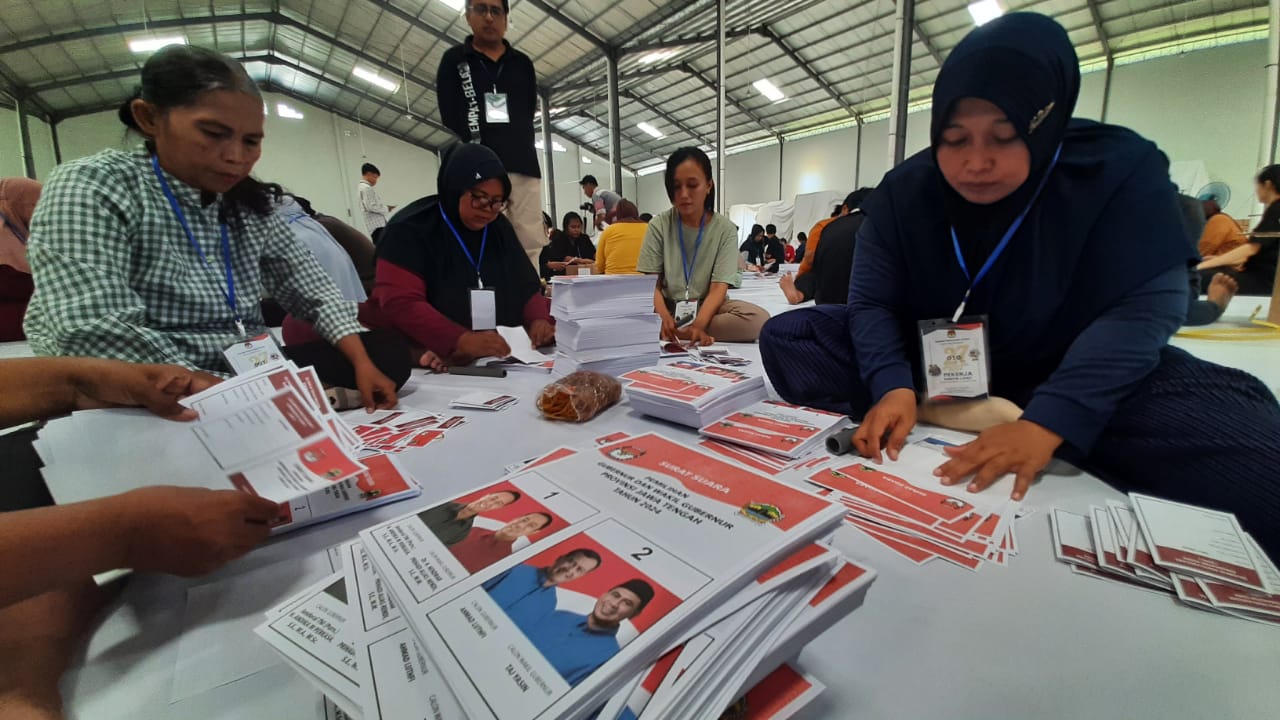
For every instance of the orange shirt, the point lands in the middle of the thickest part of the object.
(811, 247)
(1221, 234)
(619, 248)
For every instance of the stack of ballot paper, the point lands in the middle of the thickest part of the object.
(634, 578)
(692, 393)
(604, 323)
(395, 431)
(484, 400)
(1201, 556)
(776, 427)
(271, 433)
(904, 507)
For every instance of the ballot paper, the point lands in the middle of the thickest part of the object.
(396, 431)
(776, 427)
(692, 393)
(595, 296)
(1197, 541)
(482, 400)
(522, 350)
(627, 502)
(608, 332)
(316, 633)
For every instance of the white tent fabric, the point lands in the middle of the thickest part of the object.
(791, 217)
(812, 207)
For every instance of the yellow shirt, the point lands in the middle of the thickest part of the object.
(619, 248)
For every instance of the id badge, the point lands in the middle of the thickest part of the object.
(484, 310)
(686, 312)
(495, 108)
(956, 366)
(251, 354)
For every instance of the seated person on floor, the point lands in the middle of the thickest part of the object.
(162, 254)
(332, 257)
(18, 196)
(827, 281)
(439, 250)
(693, 251)
(1253, 264)
(1222, 288)
(49, 555)
(1079, 304)
(619, 246)
(753, 246)
(801, 239)
(568, 247)
(357, 245)
(815, 238)
(1221, 233)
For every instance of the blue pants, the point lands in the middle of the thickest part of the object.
(1192, 431)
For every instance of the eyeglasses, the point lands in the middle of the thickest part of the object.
(480, 201)
(494, 11)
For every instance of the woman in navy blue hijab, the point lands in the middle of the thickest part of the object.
(1080, 300)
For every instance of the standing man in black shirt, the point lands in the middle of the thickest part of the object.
(488, 94)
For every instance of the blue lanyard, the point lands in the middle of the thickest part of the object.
(484, 240)
(230, 294)
(697, 245)
(22, 238)
(1004, 241)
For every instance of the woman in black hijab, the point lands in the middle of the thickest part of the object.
(438, 250)
(1065, 235)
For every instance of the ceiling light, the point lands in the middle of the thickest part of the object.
(769, 90)
(586, 160)
(287, 112)
(376, 79)
(555, 146)
(455, 4)
(984, 11)
(151, 44)
(658, 56)
(651, 130)
(556, 110)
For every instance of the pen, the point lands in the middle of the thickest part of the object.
(478, 371)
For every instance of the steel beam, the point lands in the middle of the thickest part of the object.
(904, 19)
(548, 150)
(24, 138)
(814, 76)
(555, 14)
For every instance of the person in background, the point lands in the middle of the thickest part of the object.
(772, 253)
(488, 93)
(1080, 303)
(332, 257)
(375, 211)
(161, 255)
(692, 250)
(1222, 288)
(619, 246)
(790, 252)
(815, 236)
(357, 245)
(827, 282)
(604, 203)
(439, 249)
(569, 247)
(18, 196)
(801, 239)
(548, 225)
(646, 218)
(1221, 233)
(1253, 264)
(753, 246)
(49, 555)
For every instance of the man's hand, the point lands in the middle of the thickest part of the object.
(894, 416)
(695, 336)
(192, 531)
(377, 391)
(1020, 447)
(477, 344)
(113, 383)
(541, 333)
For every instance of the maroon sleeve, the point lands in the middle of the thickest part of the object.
(538, 308)
(402, 297)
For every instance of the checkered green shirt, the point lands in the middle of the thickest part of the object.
(116, 277)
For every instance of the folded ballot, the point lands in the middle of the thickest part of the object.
(692, 393)
(776, 427)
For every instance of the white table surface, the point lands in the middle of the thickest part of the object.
(1029, 640)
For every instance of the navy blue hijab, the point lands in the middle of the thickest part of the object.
(1105, 223)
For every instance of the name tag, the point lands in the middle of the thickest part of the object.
(495, 108)
(484, 310)
(251, 354)
(686, 312)
(956, 366)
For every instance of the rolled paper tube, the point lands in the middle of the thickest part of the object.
(478, 371)
(841, 442)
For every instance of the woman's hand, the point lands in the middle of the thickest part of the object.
(192, 531)
(541, 333)
(432, 362)
(158, 388)
(1021, 447)
(894, 416)
(377, 391)
(477, 344)
(669, 331)
(695, 336)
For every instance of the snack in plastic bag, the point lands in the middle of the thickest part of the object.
(579, 396)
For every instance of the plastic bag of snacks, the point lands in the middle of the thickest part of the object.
(579, 396)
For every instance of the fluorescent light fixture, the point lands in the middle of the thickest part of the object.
(376, 79)
(555, 146)
(455, 4)
(651, 130)
(984, 11)
(265, 112)
(556, 110)
(769, 90)
(287, 112)
(658, 56)
(152, 44)
(586, 160)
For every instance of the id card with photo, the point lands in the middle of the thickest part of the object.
(484, 310)
(686, 313)
(955, 361)
(251, 354)
(495, 108)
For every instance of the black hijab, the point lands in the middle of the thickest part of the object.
(1105, 223)
(420, 239)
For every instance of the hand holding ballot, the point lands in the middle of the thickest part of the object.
(158, 388)
(1020, 447)
(191, 531)
(894, 416)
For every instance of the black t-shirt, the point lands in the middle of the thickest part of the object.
(1263, 265)
(512, 74)
(834, 260)
(561, 247)
(418, 240)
